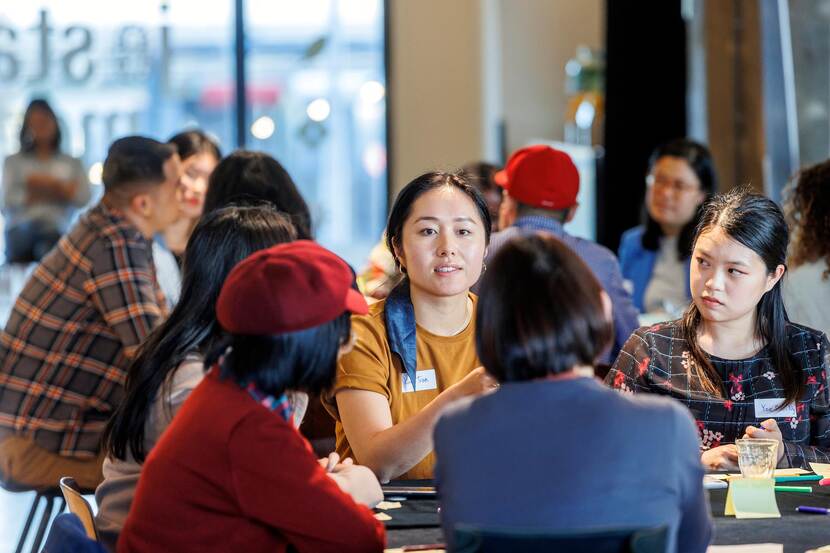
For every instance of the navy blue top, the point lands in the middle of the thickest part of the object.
(602, 262)
(637, 264)
(510, 460)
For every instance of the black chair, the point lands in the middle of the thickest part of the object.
(470, 539)
(46, 496)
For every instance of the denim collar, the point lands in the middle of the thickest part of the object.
(539, 222)
(400, 327)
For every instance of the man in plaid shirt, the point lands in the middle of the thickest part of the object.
(77, 322)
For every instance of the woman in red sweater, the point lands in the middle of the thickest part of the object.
(231, 473)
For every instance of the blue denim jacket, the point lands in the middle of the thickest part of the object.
(399, 316)
(637, 264)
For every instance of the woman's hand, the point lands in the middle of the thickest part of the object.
(477, 382)
(358, 481)
(769, 431)
(723, 457)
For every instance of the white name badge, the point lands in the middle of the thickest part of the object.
(768, 409)
(424, 380)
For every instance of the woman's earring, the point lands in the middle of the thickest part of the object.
(483, 268)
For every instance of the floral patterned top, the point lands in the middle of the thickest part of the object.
(656, 360)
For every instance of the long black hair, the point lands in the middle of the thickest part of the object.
(27, 143)
(419, 186)
(305, 360)
(220, 240)
(697, 156)
(758, 223)
(253, 177)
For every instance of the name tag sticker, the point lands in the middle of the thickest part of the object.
(424, 380)
(768, 409)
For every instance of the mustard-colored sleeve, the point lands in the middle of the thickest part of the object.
(366, 367)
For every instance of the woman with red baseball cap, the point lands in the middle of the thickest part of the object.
(232, 473)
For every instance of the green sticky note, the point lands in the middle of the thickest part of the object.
(751, 498)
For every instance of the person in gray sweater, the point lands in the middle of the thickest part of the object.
(42, 187)
(553, 449)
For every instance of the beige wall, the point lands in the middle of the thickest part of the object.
(458, 67)
(434, 85)
(539, 37)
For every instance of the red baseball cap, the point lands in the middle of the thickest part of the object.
(286, 288)
(540, 176)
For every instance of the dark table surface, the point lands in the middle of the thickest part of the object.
(417, 522)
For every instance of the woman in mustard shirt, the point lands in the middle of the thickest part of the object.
(415, 350)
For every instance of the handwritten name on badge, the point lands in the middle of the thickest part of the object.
(768, 409)
(424, 380)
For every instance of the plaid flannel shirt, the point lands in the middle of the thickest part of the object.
(656, 360)
(73, 330)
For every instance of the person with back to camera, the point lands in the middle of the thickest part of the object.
(503, 463)
(655, 256)
(42, 187)
(232, 473)
(734, 358)
(541, 185)
(245, 178)
(807, 287)
(415, 350)
(170, 362)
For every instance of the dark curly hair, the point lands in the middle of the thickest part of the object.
(807, 208)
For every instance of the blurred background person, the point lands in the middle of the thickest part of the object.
(655, 256)
(199, 154)
(807, 287)
(541, 186)
(482, 175)
(42, 187)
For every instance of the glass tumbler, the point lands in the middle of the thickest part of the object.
(757, 457)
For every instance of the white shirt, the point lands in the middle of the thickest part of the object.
(807, 295)
(666, 291)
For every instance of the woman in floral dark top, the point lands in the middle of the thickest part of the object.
(734, 358)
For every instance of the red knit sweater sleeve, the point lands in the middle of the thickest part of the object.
(278, 482)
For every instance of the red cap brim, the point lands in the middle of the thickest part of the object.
(356, 303)
(500, 178)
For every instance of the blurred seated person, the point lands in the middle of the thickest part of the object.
(77, 323)
(542, 323)
(807, 286)
(482, 175)
(232, 473)
(655, 256)
(415, 350)
(170, 362)
(199, 154)
(734, 359)
(42, 187)
(541, 185)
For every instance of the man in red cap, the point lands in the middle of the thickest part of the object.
(541, 185)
